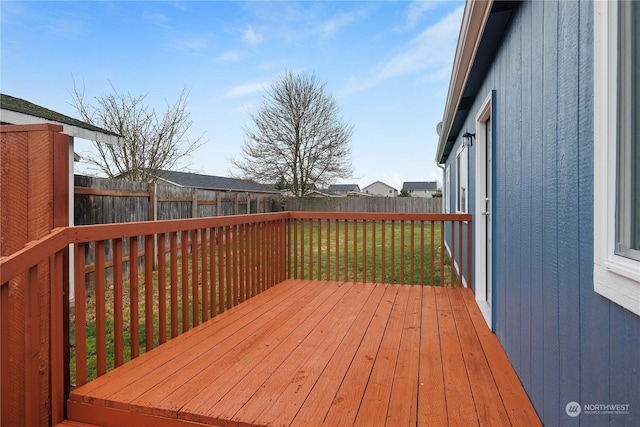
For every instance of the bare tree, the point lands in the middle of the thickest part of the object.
(300, 140)
(150, 141)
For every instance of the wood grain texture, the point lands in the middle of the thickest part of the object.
(307, 353)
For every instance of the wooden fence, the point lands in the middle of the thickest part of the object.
(370, 204)
(109, 201)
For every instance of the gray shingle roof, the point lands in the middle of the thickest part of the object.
(420, 186)
(344, 187)
(186, 179)
(18, 105)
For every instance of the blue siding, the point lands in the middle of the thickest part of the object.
(566, 342)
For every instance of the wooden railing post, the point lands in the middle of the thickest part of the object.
(34, 184)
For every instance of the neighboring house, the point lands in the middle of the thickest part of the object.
(550, 171)
(379, 188)
(343, 190)
(420, 188)
(209, 182)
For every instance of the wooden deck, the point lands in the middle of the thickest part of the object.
(307, 353)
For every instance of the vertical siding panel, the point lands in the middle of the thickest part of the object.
(550, 411)
(594, 309)
(624, 373)
(536, 388)
(568, 237)
(526, 199)
(513, 192)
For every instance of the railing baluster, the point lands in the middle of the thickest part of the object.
(101, 327)
(364, 251)
(442, 227)
(212, 272)
(374, 226)
(234, 256)
(355, 250)
(118, 327)
(460, 265)
(432, 256)
(221, 297)
(393, 251)
(412, 280)
(227, 267)
(148, 291)
(383, 263)
(421, 253)
(328, 275)
(185, 279)
(162, 288)
(337, 260)
(346, 251)
(133, 295)
(402, 249)
(453, 253)
(311, 249)
(80, 318)
(173, 257)
(195, 308)
(204, 274)
(319, 249)
(242, 257)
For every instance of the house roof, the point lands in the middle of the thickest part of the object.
(18, 111)
(482, 28)
(209, 182)
(344, 187)
(420, 186)
(380, 183)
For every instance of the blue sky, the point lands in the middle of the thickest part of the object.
(386, 63)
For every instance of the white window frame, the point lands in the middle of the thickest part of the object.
(615, 277)
(462, 177)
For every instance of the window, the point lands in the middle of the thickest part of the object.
(628, 147)
(462, 172)
(617, 152)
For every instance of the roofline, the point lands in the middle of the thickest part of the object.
(16, 117)
(474, 19)
(229, 190)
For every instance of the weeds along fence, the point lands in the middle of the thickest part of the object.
(111, 201)
(411, 205)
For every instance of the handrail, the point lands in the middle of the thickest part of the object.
(187, 271)
(33, 253)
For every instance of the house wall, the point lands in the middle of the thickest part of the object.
(380, 189)
(566, 342)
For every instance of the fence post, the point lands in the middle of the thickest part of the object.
(153, 213)
(219, 204)
(194, 203)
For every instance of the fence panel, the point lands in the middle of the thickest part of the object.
(365, 204)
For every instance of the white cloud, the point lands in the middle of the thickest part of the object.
(190, 45)
(430, 49)
(416, 10)
(251, 37)
(229, 56)
(247, 89)
(335, 24)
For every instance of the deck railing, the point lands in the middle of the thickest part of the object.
(188, 271)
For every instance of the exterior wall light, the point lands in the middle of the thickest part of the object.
(467, 139)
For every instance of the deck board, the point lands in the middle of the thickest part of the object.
(321, 353)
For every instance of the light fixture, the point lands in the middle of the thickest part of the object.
(467, 139)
